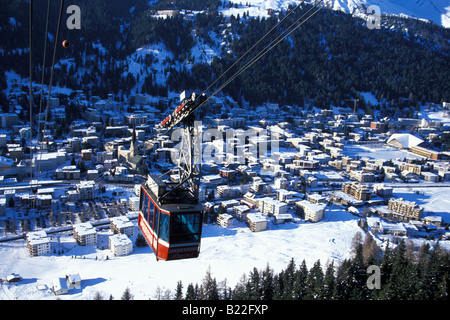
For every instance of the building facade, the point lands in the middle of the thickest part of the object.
(122, 225)
(85, 234)
(38, 243)
(120, 244)
(359, 191)
(310, 211)
(409, 209)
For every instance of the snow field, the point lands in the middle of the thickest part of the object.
(228, 252)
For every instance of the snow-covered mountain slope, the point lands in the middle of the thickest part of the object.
(437, 11)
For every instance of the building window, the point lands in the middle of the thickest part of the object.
(145, 204)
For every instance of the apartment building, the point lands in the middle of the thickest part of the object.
(38, 243)
(310, 211)
(85, 234)
(120, 245)
(383, 190)
(271, 207)
(256, 222)
(362, 176)
(225, 219)
(413, 168)
(409, 209)
(86, 190)
(357, 190)
(426, 152)
(122, 225)
(68, 173)
(33, 201)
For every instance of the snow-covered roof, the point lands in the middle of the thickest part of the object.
(311, 206)
(120, 240)
(256, 217)
(121, 222)
(37, 237)
(84, 229)
(405, 139)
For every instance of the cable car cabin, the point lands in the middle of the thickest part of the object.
(172, 230)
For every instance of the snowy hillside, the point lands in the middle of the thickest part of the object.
(437, 11)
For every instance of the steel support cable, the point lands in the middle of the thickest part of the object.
(43, 62)
(269, 47)
(249, 50)
(294, 26)
(51, 78)
(275, 42)
(30, 61)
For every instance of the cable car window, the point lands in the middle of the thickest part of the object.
(145, 205)
(185, 227)
(141, 200)
(150, 214)
(155, 226)
(164, 227)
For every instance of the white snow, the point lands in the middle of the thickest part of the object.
(136, 65)
(437, 11)
(378, 152)
(229, 252)
(406, 139)
(435, 201)
(369, 98)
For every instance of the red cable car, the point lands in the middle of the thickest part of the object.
(173, 230)
(170, 216)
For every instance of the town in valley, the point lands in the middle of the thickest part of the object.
(87, 186)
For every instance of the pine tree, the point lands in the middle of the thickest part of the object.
(386, 268)
(225, 292)
(179, 291)
(242, 289)
(127, 295)
(267, 284)
(398, 277)
(300, 281)
(329, 283)
(344, 280)
(140, 241)
(255, 285)
(278, 291)
(314, 282)
(191, 292)
(371, 252)
(289, 281)
(98, 296)
(209, 286)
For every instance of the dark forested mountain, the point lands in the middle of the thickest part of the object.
(332, 57)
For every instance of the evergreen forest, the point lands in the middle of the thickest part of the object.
(406, 273)
(333, 57)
